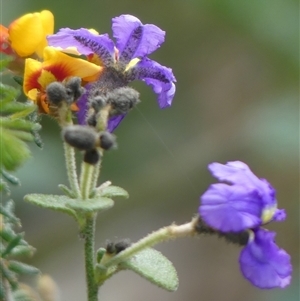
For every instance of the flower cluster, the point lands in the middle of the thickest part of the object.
(123, 62)
(245, 205)
(106, 67)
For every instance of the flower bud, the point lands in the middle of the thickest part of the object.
(81, 137)
(98, 102)
(122, 100)
(115, 248)
(91, 156)
(74, 89)
(107, 141)
(56, 93)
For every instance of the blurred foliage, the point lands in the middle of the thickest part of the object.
(12, 246)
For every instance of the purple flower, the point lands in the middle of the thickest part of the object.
(246, 202)
(243, 205)
(263, 263)
(125, 61)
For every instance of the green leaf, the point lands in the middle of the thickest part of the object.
(53, 202)
(2, 291)
(8, 214)
(91, 205)
(22, 295)
(13, 150)
(4, 62)
(18, 79)
(66, 190)
(22, 251)
(22, 268)
(12, 244)
(69, 205)
(114, 191)
(10, 178)
(19, 124)
(4, 187)
(155, 267)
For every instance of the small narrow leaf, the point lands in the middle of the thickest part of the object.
(22, 251)
(5, 61)
(9, 215)
(66, 190)
(22, 268)
(10, 178)
(114, 191)
(155, 267)
(13, 150)
(12, 244)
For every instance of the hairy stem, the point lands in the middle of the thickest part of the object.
(170, 232)
(71, 169)
(86, 178)
(89, 238)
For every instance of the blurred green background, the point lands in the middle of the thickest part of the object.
(237, 69)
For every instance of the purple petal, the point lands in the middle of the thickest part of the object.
(263, 263)
(82, 104)
(135, 40)
(230, 208)
(159, 77)
(279, 215)
(65, 39)
(113, 122)
(85, 42)
(237, 172)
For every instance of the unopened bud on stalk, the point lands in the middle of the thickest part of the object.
(122, 100)
(56, 93)
(91, 156)
(81, 137)
(73, 89)
(107, 141)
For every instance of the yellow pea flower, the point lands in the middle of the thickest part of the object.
(27, 34)
(57, 66)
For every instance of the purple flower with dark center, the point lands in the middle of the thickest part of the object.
(125, 61)
(263, 263)
(246, 202)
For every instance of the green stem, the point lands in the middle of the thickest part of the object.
(86, 179)
(161, 235)
(89, 239)
(71, 168)
(96, 174)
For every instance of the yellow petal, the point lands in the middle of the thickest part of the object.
(63, 65)
(47, 20)
(132, 63)
(26, 33)
(31, 74)
(32, 94)
(46, 77)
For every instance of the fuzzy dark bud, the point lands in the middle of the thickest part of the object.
(92, 120)
(80, 137)
(56, 93)
(98, 102)
(107, 141)
(115, 248)
(122, 100)
(91, 156)
(238, 238)
(74, 89)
